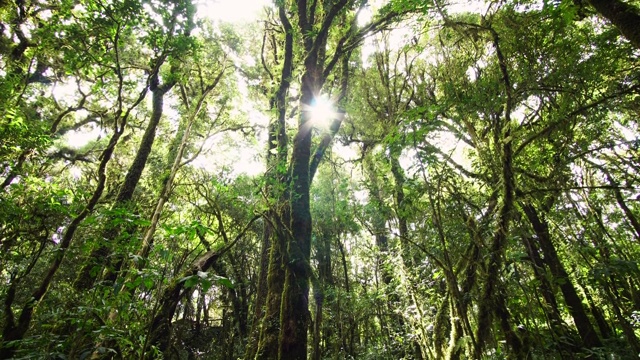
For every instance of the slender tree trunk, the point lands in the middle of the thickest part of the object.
(515, 343)
(261, 294)
(240, 304)
(627, 328)
(325, 281)
(99, 256)
(237, 319)
(585, 329)
(631, 217)
(393, 323)
(175, 159)
(539, 271)
(318, 295)
(402, 214)
(605, 329)
(401, 206)
(347, 337)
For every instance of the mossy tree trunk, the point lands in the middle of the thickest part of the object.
(284, 326)
(491, 303)
(100, 255)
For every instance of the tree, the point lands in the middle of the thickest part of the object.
(173, 46)
(289, 271)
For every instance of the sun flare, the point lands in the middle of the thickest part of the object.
(322, 111)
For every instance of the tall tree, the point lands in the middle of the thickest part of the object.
(317, 24)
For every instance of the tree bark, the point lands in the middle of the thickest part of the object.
(623, 16)
(99, 256)
(587, 333)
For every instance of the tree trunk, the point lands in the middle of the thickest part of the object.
(294, 317)
(442, 326)
(240, 305)
(393, 323)
(269, 323)
(408, 260)
(623, 16)
(492, 302)
(325, 281)
(318, 296)
(576, 309)
(633, 220)
(160, 328)
(99, 257)
(627, 328)
(347, 335)
(175, 158)
(605, 329)
(270, 327)
(539, 271)
(261, 295)
(288, 300)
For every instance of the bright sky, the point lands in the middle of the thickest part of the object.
(233, 11)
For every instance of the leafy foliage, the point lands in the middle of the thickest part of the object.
(475, 196)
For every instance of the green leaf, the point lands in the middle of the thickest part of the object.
(205, 284)
(148, 283)
(190, 281)
(225, 282)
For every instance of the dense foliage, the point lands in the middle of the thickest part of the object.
(169, 188)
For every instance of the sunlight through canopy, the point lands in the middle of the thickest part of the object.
(323, 112)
